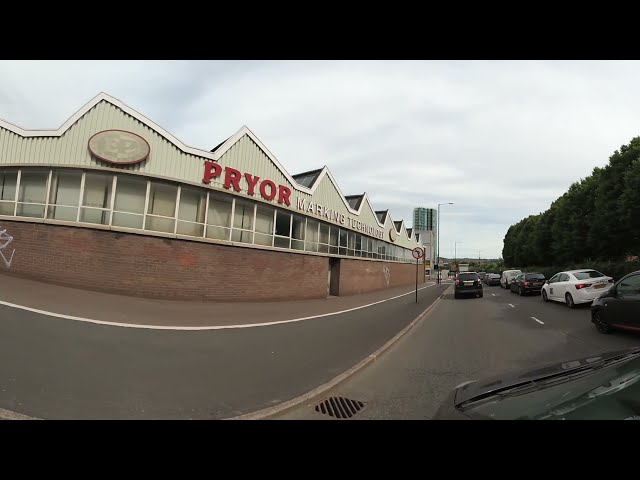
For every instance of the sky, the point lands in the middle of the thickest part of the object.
(499, 139)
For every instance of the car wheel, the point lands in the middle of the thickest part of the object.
(600, 325)
(455, 295)
(544, 296)
(569, 300)
(480, 295)
(520, 291)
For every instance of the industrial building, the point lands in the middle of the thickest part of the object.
(111, 201)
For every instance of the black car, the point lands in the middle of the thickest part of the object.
(467, 283)
(492, 279)
(604, 387)
(618, 307)
(527, 283)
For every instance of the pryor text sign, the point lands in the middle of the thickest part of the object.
(268, 190)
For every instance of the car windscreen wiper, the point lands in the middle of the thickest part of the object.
(548, 380)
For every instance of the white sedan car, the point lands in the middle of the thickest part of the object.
(576, 286)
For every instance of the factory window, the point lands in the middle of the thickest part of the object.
(219, 216)
(96, 198)
(191, 212)
(32, 193)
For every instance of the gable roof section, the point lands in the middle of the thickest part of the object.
(307, 179)
(117, 103)
(355, 200)
(316, 176)
(219, 145)
(382, 215)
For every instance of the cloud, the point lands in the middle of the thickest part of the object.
(500, 139)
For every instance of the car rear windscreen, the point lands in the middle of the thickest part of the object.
(468, 276)
(535, 276)
(587, 274)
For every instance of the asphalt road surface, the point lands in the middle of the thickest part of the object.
(467, 339)
(54, 368)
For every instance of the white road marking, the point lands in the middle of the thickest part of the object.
(493, 294)
(511, 305)
(210, 327)
(9, 415)
(539, 321)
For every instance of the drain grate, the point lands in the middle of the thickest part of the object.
(339, 407)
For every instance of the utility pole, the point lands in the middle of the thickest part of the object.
(438, 241)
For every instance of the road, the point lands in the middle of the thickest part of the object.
(467, 339)
(55, 368)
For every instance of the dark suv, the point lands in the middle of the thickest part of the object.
(467, 283)
(527, 283)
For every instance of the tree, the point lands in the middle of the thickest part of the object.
(607, 231)
(598, 218)
(629, 207)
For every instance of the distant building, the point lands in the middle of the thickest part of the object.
(425, 218)
(425, 223)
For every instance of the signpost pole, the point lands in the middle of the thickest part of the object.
(417, 280)
(417, 253)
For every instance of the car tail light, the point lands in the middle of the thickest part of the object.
(582, 285)
(526, 284)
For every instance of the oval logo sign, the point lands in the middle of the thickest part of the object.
(119, 147)
(393, 234)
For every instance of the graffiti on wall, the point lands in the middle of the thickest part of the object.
(5, 240)
(387, 274)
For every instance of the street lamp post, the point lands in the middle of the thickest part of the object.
(455, 249)
(438, 240)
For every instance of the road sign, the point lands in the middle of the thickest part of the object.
(417, 253)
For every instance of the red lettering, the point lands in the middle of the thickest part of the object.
(252, 182)
(232, 176)
(211, 171)
(263, 190)
(283, 195)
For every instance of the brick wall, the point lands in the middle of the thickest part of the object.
(155, 267)
(147, 266)
(359, 276)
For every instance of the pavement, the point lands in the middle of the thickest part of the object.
(57, 368)
(467, 339)
(112, 308)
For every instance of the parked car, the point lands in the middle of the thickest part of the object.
(507, 277)
(574, 287)
(527, 283)
(493, 279)
(467, 283)
(619, 307)
(603, 387)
